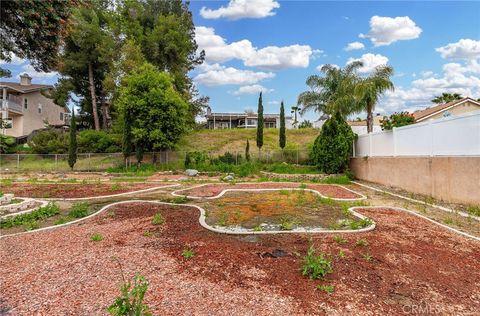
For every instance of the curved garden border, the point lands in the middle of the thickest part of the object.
(42, 202)
(177, 192)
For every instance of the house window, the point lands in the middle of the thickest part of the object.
(269, 124)
(39, 109)
(25, 103)
(61, 116)
(251, 122)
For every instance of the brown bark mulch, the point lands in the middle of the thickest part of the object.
(413, 265)
(74, 190)
(209, 190)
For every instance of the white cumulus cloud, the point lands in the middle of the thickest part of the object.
(252, 89)
(37, 74)
(354, 46)
(463, 49)
(239, 9)
(217, 75)
(217, 50)
(387, 30)
(370, 62)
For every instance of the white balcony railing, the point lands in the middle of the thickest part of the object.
(12, 106)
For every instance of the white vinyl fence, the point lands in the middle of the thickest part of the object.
(453, 136)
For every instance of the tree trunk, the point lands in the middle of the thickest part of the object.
(369, 119)
(105, 112)
(96, 122)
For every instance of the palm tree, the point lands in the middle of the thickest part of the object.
(369, 90)
(331, 92)
(446, 97)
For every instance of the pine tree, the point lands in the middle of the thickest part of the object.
(72, 148)
(260, 125)
(247, 151)
(282, 136)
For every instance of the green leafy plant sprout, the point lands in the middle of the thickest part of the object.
(130, 301)
(158, 219)
(316, 266)
(79, 210)
(367, 257)
(288, 222)
(188, 253)
(339, 240)
(326, 288)
(96, 237)
(362, 242)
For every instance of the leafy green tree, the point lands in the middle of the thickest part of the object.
(282, 137)
(446, 97)
(369, 90)
(34, 30)
(333, 147)
(333, 92)
(6, 143)
(156, 111)
(397, 120)
(247, 151)
(165, 33)
(259, 124)
(72, 148)
(5, 73)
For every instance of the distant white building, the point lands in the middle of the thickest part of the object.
(223, 120)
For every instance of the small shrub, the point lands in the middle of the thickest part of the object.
(474, 210)
(130, 301)
(223, 220)
(188, 253)
(96, 237)
(114, 187)
(326, 288)
(79, 210)
(158, 219)
(61, 220)
(316, 266)
(397, 120)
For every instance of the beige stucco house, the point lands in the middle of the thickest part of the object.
(453, 108)
(25, 109)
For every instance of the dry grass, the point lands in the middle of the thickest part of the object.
(220, 141)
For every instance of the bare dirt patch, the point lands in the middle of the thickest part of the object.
(211, 190)
(279, 210)
(73, 190)
(406, 262)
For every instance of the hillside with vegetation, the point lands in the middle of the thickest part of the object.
(223, 140)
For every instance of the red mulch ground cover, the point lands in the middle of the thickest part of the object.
(332, 191)
(415, 264)
(73, 190)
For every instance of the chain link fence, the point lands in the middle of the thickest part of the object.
(165, 160)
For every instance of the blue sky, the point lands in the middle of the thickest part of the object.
(268, 45)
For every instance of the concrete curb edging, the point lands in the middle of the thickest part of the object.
(177, 192)
(445, 209)
(203, 223)
(43, 204)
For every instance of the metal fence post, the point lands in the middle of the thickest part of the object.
(297, 156)
(18, 161)
(56, 162)
(236, 157)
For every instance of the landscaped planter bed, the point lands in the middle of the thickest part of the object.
(214, 190)
(74, 190)
(412, 263)
(281, 210)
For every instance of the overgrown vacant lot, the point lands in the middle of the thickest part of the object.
(406, 262)
(222, 140)
(74, 190)
(280, 210)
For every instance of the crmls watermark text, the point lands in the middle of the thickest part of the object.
(421, 309)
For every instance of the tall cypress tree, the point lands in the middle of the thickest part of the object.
(247, 151)
(282, 136)
(127, 135)
(72, 148)
(260, 125)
